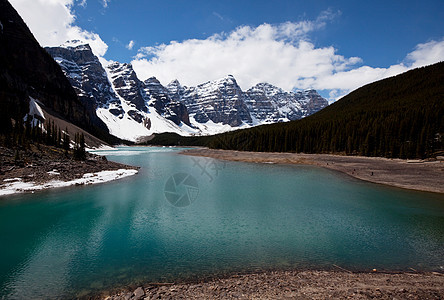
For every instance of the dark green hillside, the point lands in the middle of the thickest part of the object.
(402, 116)
(27, 70)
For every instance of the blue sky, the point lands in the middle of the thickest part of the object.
(380, 32)
(332, 46)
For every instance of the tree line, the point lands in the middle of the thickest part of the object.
(20, 133)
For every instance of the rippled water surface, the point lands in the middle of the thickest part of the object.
(183, 217)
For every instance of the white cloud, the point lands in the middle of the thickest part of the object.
(51, 22)
(427, 53)
(279, 54)
(105, 3)
(130, 45)
(82, 3)
(343, 82)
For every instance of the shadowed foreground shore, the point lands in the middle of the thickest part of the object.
(299, 285)
(410, 174)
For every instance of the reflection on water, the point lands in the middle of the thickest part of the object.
(74, 241)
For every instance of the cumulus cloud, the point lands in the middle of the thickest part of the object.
(52, 23)
(280, 54)
(130, 45)
(427, 53)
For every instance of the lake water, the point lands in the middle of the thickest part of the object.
(185, 217)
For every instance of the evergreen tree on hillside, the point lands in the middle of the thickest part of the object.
(79, 147)
(66, 141)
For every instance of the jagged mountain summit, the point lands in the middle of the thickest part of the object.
(219, 101)
(120, 99)
(223, 102)
(134, 109)
(165, 105)
(271, 104)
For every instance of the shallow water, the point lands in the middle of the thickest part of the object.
(226, 217)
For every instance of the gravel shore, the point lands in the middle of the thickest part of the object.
(298, 285)
(409, 174)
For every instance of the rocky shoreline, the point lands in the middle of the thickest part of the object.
(49, 167)
(304, 284)
(421, 175)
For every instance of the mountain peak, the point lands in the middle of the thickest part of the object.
(76, 44)
(266, 88)
(175, 89)
(152, 81)
(116, 64)
(229, 77)
(173, 83)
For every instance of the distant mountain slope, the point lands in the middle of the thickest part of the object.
(27, 70)
(402, 116)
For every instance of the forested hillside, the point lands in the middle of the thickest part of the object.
(402, 116)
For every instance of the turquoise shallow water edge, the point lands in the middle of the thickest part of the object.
(225, 217)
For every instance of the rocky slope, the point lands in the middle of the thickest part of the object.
(165, 105)
(221, 101)
(84, 71)
(133, 109)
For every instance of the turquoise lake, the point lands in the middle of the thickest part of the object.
(184, 218)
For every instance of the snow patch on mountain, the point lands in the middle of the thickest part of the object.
(36, 113)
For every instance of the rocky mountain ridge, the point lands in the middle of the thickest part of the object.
(133, 109)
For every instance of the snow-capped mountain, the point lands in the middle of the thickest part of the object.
(127, 85)
(270, 104)
(120, 99)
(221, 101)
(134, 110)
(160, 99)
(84, 71)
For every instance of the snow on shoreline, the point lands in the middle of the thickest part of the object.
(16, 185)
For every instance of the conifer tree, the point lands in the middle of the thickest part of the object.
(66, 141)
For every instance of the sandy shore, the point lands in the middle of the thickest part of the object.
(298, 285)
(410, 174)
